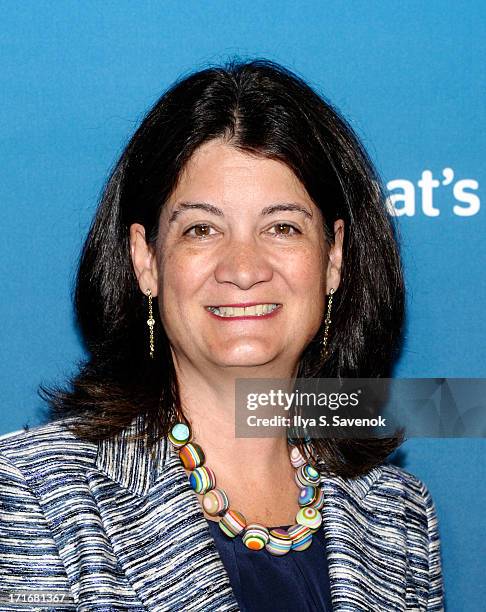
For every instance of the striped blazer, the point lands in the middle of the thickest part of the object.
(112, 526)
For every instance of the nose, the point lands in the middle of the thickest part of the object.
(243, 263)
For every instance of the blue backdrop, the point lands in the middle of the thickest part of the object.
(76, 78)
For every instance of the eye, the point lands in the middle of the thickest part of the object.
(201, 231)
(285, 229)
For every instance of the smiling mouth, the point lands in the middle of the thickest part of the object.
(257, 310)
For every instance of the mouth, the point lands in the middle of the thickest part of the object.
(253, 311)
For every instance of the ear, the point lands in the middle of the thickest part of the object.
(335, 255)
(143, 260)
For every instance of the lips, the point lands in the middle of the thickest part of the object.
(254, 310)
(241, 304)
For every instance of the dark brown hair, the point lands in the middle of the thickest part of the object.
(261, 108)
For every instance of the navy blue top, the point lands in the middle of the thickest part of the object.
(261, 581)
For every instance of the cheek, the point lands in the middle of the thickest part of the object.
(306, 277)
(179, 280)
(305, 272)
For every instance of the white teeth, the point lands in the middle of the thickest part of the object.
(248, 311)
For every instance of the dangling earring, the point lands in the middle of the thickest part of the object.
(327, 322)
(151, 323)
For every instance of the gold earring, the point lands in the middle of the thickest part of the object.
(151, 323)
(327, 323)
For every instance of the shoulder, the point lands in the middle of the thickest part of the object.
(400, 496)
(46, 446)
(387, 481)
(406, 485)
(396, 477)
(41, 462)
(388, 490)
(390, 485)
(395, 496)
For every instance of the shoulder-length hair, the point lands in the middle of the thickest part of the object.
(265, 109)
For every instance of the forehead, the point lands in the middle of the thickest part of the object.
(219, 171)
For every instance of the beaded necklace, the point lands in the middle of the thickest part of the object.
(232, 523)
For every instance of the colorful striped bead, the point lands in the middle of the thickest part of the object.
(296, 458)
(202, 479)
(279, 542)
(215, 502)
(319, 503)
(179, 435)
(232, 523)
(306, 475)
(256, 536)
(301, 537)
(192, 456)
(309, 517)
(308, 495)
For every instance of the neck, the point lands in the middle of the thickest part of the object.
(208, 401)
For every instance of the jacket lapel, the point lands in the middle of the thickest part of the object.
(365, 535)
(156, 526)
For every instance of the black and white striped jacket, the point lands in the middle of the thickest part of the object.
(111, 526)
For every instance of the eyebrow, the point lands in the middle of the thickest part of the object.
(210, 208)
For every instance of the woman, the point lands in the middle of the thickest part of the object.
(242, 213)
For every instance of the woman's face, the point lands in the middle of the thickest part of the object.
(240, 232)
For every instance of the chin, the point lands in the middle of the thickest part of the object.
(243, 361)
(244, 356)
